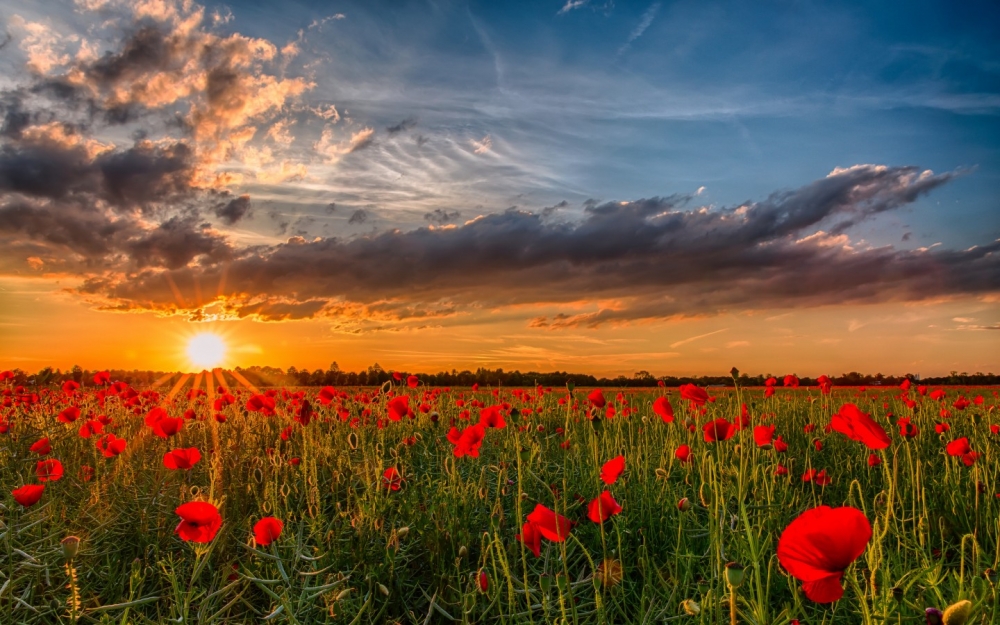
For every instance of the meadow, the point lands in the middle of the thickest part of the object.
(213, 501)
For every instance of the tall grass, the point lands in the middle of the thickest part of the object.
(355, 552)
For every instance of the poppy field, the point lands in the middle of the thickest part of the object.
(209, 500)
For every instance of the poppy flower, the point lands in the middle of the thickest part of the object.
(941, 428)
(483, 580)
(50, 470)
(110, 445)
(531, 537)
(267, 530)
(468, 441)
(791, 381)
(69, 415)
(181, 458)
(552, 525)
(200, 521)
(663, 408)
(612, 469)
(28, 495)
(91, 427)
(412, 381)
(263, 404)
(874, 460)
(780, 445)
(492, 417)
(938, 394)
(41, 447)
(906, 428)
(696, 395)
(818, 546)
(859, 426)
(683, 453)
(596, 397)
(763, 435)
(960, 447)
(819, 477)
(391, 479)
(718, 430)
(398, 407)
(168, 426)
(86, 473)
(69, 386)
(781, 470)
(102, 378)
(603, 507)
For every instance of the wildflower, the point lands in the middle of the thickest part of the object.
(818, 546)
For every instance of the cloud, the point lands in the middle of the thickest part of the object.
(440, 216)
(359, 216)
(234, 210)
(407, 124)
(695, 338)
(570, 5)
(644, 23)
(653, 257)
(482, 146)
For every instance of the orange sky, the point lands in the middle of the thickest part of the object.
(42, 327)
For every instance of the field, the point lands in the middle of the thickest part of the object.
(383, 513)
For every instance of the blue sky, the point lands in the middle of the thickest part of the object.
(347, 173)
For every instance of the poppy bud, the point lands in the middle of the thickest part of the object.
(734, 574)
(343, 594)
(932, 616)
(661, 473)
(684, 504)
(70, 547)
(562, 582)
(483, 581)
(545, 582)
(435, 416)
(382, 589)
(462, 551)
(691, 607)
(570, 386)
(402, 532)
(958, 613)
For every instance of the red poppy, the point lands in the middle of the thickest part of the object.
(41, 447)
(413, 381)
(181, 458)
(694, 394)
(960, 447)
(663, 408)
(781, 470)
(763, 435)
(326, 395)
(780, 445)
(531, 537)
(612, 469)
(69, 415)
(200, 521)
(468, 441)
(86, 473)
(941, 428)
(791, 381)
(69, 386)
(391, 479)
(938, 394)
(492, 417)
(906, 428)
(859, 426)
(28, 495)
(263, 404)
(874, 460)
(602, 507)
(267, 530)
(484, 581)
(50, 470)
(683, 453)
(168, 426)
(718, 430)
(552, 525)
(399, 407)
(110, 445)
(818, 546)
(819, 477)
(102, 378)
(596, 397)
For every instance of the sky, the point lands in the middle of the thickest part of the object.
(584, 185)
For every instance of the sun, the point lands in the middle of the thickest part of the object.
(206, 350)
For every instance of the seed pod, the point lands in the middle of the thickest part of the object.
(70, 547)
(734, 574)
(382, 589)
(545, 582)
(462, 551)
(958, 613)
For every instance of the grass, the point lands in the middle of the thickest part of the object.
(354, 552)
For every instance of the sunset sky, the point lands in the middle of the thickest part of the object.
(597, 186)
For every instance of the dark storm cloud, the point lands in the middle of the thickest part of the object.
(359, 216)
(234, 210)
(404, 125)
(440, 216)
(659, 258)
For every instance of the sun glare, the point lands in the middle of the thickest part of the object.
(206, 350)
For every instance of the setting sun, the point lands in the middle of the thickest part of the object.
(206, 350)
